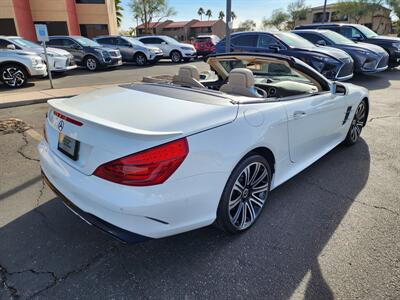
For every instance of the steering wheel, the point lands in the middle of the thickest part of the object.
(261, 92)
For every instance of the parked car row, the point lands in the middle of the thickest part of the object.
(334, 50)
(68, 52)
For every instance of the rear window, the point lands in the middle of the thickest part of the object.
(202, 39)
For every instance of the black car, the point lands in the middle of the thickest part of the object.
(367, 58)
(333, 63)
(361, 33)
(86, 52)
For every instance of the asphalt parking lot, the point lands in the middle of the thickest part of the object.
(332, 232)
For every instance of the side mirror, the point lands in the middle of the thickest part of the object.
(11, 47)
(163, 43)
(321, 43)
(357, 37)
(276, 48)
(75, 46)
(337, 89)
(333, 88)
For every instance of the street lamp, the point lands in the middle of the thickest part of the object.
(324, 13)
(228, 26)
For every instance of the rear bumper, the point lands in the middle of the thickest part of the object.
(153, 212)
(120, 234)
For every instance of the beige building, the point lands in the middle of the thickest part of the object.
(184, 30)
(380, 21)
(62, 17)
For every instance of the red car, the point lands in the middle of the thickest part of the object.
(205, 44)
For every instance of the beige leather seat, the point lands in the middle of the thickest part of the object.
(188, 76)
(241, 82)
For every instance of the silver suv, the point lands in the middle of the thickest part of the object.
(17, 66)
(132, 50)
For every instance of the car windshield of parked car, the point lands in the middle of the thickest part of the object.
(86, 42)
(337, 38)
(170, 40)
(366, 31)
(293, 40)
(266, 71)
(24, 43)
(134, 41)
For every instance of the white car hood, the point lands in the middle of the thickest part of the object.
(147, 114)
(50, 50)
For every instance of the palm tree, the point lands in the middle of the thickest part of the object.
(221, 15)
(118, 10)
(233, 17)
(209, 13)
(200, 12)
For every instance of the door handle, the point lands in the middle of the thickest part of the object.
(299, 114)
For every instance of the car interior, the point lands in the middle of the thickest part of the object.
(249, 78)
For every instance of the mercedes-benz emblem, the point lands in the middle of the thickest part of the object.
(61, 125)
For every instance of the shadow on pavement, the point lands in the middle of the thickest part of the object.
(376, 81)
(268, 261)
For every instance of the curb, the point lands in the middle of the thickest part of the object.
(12, 104)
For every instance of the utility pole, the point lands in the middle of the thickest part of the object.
(228, 26)
(324, 13)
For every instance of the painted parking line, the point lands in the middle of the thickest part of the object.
(34, 134)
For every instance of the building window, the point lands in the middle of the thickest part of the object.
(92, 30)
(337, 17)
(55, 28)
(317, 18)
(91, 1)
(7, 27)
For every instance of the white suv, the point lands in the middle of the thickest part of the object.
(171, 48)
(17, 66)
(59, 60)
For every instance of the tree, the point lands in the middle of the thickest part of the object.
(248, 25)
(297, 10)
(209, 13)
(201, 12)
(233, 17)
(278, 19)
(354, 9)
(151, 10)
(221, 15)
(118, 10)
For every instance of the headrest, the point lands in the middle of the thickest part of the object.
(189, 72)
(241, 77)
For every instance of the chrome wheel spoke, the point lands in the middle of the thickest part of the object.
(260, 178)
(244, 216)
(235, 202)
(257, 201)
(238, 213)
(252, 214)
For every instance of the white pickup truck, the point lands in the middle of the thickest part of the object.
(17, 66)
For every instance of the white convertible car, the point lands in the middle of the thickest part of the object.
(164, 156)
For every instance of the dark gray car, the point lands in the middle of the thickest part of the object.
(132, 50)
(367, 58)
(86, 52)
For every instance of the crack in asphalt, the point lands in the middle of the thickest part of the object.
(21, 149)
(324, 189)
(3, 279)
(382, 117)
(41, 191)
(80, 269)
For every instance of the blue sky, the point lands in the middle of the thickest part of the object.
(244, 9)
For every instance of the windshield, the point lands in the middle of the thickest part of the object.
(337, 38)
(266, 72)
(294, 40)
(134, 41)
(170, 40)
(366, 31)
(86, 42)
(24, 43)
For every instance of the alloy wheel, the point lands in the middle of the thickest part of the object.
(140, 60)
(248, 195)
(91, 64)
(13, 77)
(176, 57)
(358, 122)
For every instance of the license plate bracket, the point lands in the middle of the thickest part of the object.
(68, 146)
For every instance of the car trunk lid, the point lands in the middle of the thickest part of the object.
(119, 121)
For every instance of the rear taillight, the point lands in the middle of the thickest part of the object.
(149, 167)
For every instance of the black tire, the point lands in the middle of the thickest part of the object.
(248, 198)
(13, 76)
(357, 124)
(140, 59)
(91, 63)
(176, 56)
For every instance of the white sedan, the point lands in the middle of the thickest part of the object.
(154, 159)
